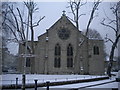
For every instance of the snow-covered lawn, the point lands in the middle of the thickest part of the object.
(8, 79)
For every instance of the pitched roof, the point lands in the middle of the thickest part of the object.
(63, 17)
(66, 18)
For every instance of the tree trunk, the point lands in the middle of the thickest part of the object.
(32, 44)
(77, 19)
(112, 56)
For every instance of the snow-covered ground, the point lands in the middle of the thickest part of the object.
(11, 78)
(8, 79)
(91, 84)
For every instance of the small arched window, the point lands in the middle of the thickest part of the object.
(57, 58)
(69, 56)
(96, 50)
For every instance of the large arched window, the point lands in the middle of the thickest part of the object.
(57, 50)
(57, 59)
(96, 50)
(28, 62)
(57, 62)
(69, 56)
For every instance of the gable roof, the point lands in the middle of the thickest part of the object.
(66, 18)
(63, 17)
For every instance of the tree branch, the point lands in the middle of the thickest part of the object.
(96, 4)
(81, 43)
(108, 26)
(111, 21)
(12, 31)
(17, 25)
(22, 30)
(71, 19)
(39, 21)
(83, 3)
(11, 22)
(108, 39)
(81, 15)
(72, 9)
(75, 7)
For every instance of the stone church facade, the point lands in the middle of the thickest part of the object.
(63, 49)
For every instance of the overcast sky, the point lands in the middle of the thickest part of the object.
(53, 11)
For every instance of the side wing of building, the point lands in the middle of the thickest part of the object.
(30, 58)
(96, 57)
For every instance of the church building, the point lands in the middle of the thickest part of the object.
(63, 49)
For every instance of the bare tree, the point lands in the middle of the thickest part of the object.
(19, 24)
(32, 8)
(114, 25)
(75, 10)
(11, 23)
(6, 34)
(93, 34)
(95, 7)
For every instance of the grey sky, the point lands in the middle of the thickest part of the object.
(53, 11)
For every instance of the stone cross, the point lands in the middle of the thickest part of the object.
(63, 12)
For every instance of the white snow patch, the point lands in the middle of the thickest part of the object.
(8, 79)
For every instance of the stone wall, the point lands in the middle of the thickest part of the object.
(96, 62)
(82, 49)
